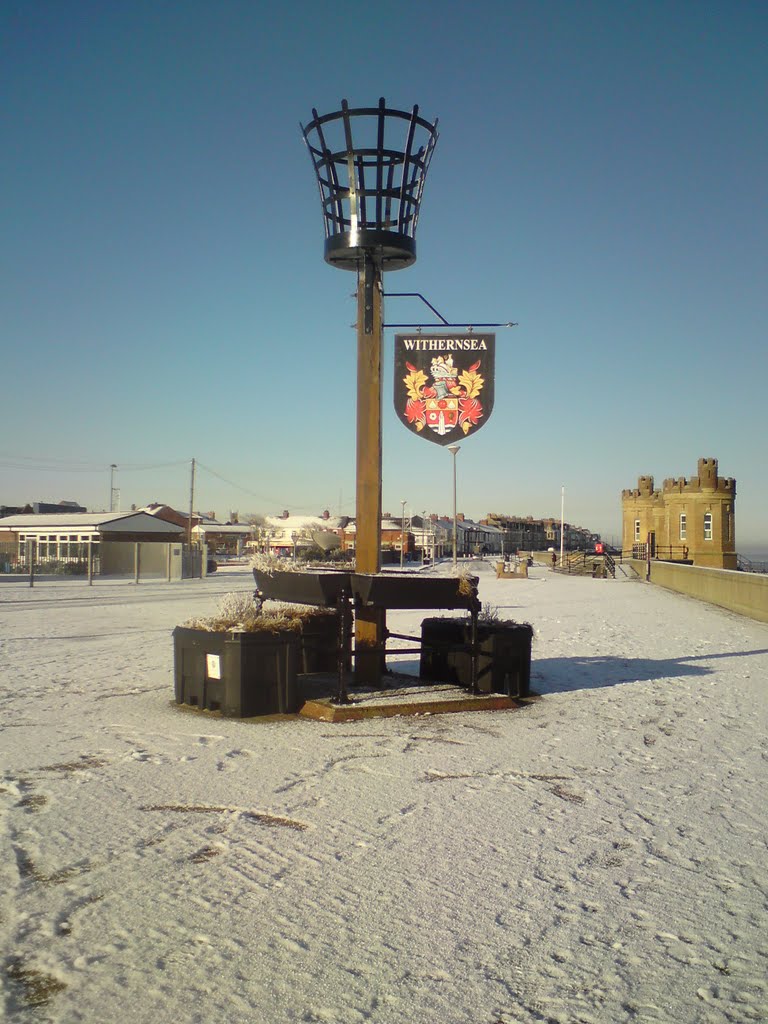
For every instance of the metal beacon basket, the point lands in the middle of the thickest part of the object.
(370, 187)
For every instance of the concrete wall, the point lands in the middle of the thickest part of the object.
(117, 559)
(742, 592)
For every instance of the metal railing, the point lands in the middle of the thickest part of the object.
(661, 553)
(18, 563)
(749, 565)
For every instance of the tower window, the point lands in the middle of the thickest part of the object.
(683, 526)
(707, 526)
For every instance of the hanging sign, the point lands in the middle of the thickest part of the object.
(444, 383)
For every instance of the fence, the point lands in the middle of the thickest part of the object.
(19, 562)
(137, 560)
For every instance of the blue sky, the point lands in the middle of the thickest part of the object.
(600, 178)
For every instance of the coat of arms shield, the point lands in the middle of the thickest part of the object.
(444, 385)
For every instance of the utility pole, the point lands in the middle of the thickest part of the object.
(112, 469)
(191, 504)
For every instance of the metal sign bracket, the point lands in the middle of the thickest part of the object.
(418, 295)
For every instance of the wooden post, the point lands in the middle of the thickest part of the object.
(136, 562)
(369, 622)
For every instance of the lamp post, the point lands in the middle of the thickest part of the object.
(454, 449)
(294, 538)
(402, 533)
(562, 522)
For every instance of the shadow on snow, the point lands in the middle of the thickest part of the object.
(563, 675)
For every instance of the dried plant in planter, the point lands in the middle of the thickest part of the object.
(239, 613)
(466, 583)
(489, 614)
(268, 565)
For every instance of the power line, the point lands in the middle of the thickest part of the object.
(260, 494)
(53, 468)
(241, 487)
(35, 463)
(47, 459)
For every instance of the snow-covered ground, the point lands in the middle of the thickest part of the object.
(599, 856)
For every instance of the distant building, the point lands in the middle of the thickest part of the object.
(524, 533)
(225, 538)
(686, 521)
(287, 535)
(41, 508)
(169, 514)
(46, 508)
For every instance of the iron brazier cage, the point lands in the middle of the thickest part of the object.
(370, 186)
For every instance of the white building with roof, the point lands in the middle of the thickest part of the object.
(289, 535)
(116, 543)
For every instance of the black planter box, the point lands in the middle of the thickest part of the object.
(440, 639)
(407, 591)
(239, 674)
(504, 660)
(319, 643)
(504, 665)
(317, 588)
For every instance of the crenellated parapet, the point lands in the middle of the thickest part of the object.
(707, 480)
(644, 490)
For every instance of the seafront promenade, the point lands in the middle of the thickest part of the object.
(597, 856)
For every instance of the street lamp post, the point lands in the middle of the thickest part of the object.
(562, 523)
(454, 449)
(402, 533)
(294, 538)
